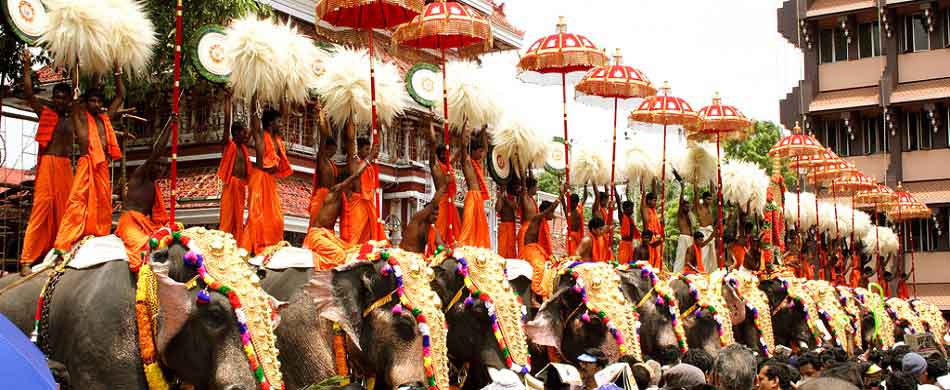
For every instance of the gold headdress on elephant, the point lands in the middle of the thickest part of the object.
(883, 324)
(851, 306)
(900, 311)
(600, 290)
(830, 310)
(747, 284)
(930, 316)
(706, 289)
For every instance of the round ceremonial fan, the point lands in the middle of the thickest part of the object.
(498, 167)
(207, 54)
(555, 163)
(27, 18)
(423, 82)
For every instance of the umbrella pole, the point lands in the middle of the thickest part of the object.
(877, 247)
(445, 101)
(837, 252)
(720, 250)
(798, 221)
(375, 130)
(854, 256)
(567, 155)
(662, 215)
(175, 109)
(613, 165)
(821, 263)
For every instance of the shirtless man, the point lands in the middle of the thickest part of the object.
(507, 209)
(415, 235)
(441, 159)
(144, 207)
(474, 230)
(601, 204)
(694, 262)
(685, 241)
(707, 220)
(328, 249)
(642, 252)
(326, 174)
(54, 173)
(574, 213)
(533, 250)
(530, 209)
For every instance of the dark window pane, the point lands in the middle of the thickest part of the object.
(825, 46)
(865, 43)
(841, 45)
(913, 131)
(921, 35)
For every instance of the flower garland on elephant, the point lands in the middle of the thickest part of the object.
(746, 285)
(799, 297)
(930, 316)
(883, 324)
(850, 304)
(664, 297)
(710, 301)
(830, 310)
(600, 290)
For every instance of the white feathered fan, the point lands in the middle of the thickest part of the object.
(698, 163)
(473, 102)
(590, 164)
(344, 89)
(521, 144)
(883, 239)
(806, 211)
(133, 36)
(744, 184)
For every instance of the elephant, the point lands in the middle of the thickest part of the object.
(93, 330)
(702, 330)
(657, 336)
(789, 325)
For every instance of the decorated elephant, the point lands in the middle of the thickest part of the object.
(792, 311)
(89, 317)
(661, 330)
(710, 307)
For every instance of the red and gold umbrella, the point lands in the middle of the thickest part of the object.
(445, 25)
(719, 119)
(796, 145)
(905, 207)
(877, 195)
(614, 83)
(557, 58)
(853, 185)
(667, 110)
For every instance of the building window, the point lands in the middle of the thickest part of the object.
(946, 28)
(916, 36)
(834, 136)
(875, 137)
(925, 234)
(832, 45)
(919, 135)
(869, 40)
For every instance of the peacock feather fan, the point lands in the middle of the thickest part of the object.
(589, 164)
(132, 36)
(472, 100)
(79, 32)
(344, 89)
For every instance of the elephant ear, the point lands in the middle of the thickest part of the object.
(547, 327)
(336, 296)
(176, 305)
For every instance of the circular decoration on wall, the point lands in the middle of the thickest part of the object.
(27, 18)
(423, 81)
(207, 54)
(556, 162)
(498, 167)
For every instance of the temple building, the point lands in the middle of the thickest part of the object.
(876, 91)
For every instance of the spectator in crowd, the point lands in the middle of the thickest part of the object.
(734, 368)
(647, 375)
(809, 366)
(774, 376)
(682, 376)
(590, 362)
(900, 380)
(937, 369)
(700, 359)
(827, 384)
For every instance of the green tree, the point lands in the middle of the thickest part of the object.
(755, 148)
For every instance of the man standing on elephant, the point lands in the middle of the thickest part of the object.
(474, 231)
(420, 231)
(441, 159)
(507, 209)
(575, 217)
(693, 262)
(628, 231)
(362, 215)
(530, 209)
(328, 249)
(144, 205)
(54, 174)
(652, 223)
(233, 172)
(265, 219)
(684, 242)
(706, 219)
(533, 251)
(326, 172)
(89, 210)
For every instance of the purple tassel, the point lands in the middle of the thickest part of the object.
(397, 310)
(203, 296)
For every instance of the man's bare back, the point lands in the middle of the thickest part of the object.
(329, 212)
(415, 235)
(586, 249)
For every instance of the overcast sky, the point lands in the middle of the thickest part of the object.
(730, 46)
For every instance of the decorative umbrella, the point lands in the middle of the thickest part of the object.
(556, 58)
(721, 120)
(828, 173)
(22, 364)
(905, 207)
(852, 185)
(614, 84)
(878, 195)
(444, 25)
(666, 110)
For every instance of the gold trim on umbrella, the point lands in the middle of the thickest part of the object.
(827, 157)
(665, 109)
(854, 183)
(880, 194)
(447, 25)
(562, 52)
(828, 173)
(616, 81)
(723, 119)
(906, 207)
(355, 13)
(797, 144)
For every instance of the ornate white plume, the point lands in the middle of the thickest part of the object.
(471, 96)
(888, 241)
(132, 37)
(300, 55)
(520, 143)
(590, 164)
(639, 163)
(806, 211)
(344, 89)
(79, 31)
(744, 184)
(256, 59)
(698, 164)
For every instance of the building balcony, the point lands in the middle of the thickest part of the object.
(923, 165)
(874, 165)
(850, 74)
(833, 7)
(931, 267)
(925, 65)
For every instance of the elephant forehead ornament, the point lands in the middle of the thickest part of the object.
(663, 297)
(900, 311)
(600, 291)
(850, 305)
(930, 316)
(757, 302)
(215, 256)
(798, 297)
(830, 310)
(707, 291)
(884, 326)
(484, 275)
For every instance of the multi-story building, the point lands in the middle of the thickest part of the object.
(876, 90)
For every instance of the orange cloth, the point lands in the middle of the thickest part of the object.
(474, 231)
(97, 150)
(362, 216)
(625, 252)
(574, 237)
(656, 260)
(600, 250)
(47, 126)
(135, 229)
(275, 155)
(652, 224)
(319, 194)
(54, 177)
(507, 247)
(535, 255)
(228, 157)
(902, 292)
(698, 258)
(448, 221)
(328, 250)
(233, 191)
(625, 248)
(738, 253)
(544, 232)
(89, 209)
(265, 219)
(480, 174)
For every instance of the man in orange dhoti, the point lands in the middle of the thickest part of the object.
(144, 205)
(529, 209)
(596, 246)
(89, 209)
(235, 164)
(575, 225)
(362, 215)
(420, 235)
(507, 209)
(329, 250)
(693, 263)
(54, 173)
(533, 251)
(326, 172)
(448, 222)
(628, 233)
(652, 223)
(265, 219)
(474, 231)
